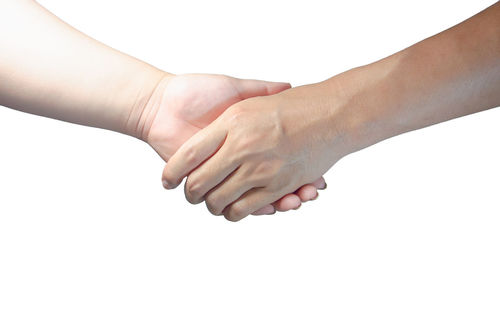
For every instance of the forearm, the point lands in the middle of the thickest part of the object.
(49, 68)
(265, 147)
(452, 74)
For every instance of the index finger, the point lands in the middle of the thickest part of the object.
(192, 153)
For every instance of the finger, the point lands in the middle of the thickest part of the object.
(288, 202)
(230, 190)
(248, 88)
(320, 183)
(250, 202)
(266, 210)
(310, 191)
(210, 174)
(307, 193)
(192, 153)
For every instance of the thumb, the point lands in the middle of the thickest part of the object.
(248, 88)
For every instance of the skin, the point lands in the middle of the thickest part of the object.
(49, 68)
(262, 148)
(183, 105)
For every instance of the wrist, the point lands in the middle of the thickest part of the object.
(366, 104)
(147, 96)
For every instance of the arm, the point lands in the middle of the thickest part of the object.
(49, 68)
(452, 74)
(270, 145)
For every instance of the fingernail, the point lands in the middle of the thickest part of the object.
(165, 184)
(323, 187)
(298, 207)
(317, 195)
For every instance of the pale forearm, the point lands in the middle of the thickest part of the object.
(49, 68)
(452, 74)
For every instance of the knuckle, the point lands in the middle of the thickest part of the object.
(236, 116)
(265, 172)
(211, 208)
(230, 217)
(193, 191)
(212, 205)
(236, 212)
(214, 210)
(191, 156)
(245, 143)
(237, 110)
(264, 168)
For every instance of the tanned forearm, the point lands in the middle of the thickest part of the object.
(449, 75)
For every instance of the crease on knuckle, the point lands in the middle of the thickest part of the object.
(193, 191)
(236, 211)
(212, 204)
(191, 156)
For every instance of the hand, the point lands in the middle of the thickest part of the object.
(260, 149)
(183, 105)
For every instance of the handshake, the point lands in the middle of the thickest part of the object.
(231, 140)
(245, 146)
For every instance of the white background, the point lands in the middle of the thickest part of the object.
(408, 225)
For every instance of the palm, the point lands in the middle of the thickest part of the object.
(189, 103)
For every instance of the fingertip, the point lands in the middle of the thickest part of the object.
(169, 186)
(266, 210)
(164, 183)
(201, 146)
(288, 202)
(320, 183)
(274, 88)
(167, 180)
(249, 88)
(307, 192)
